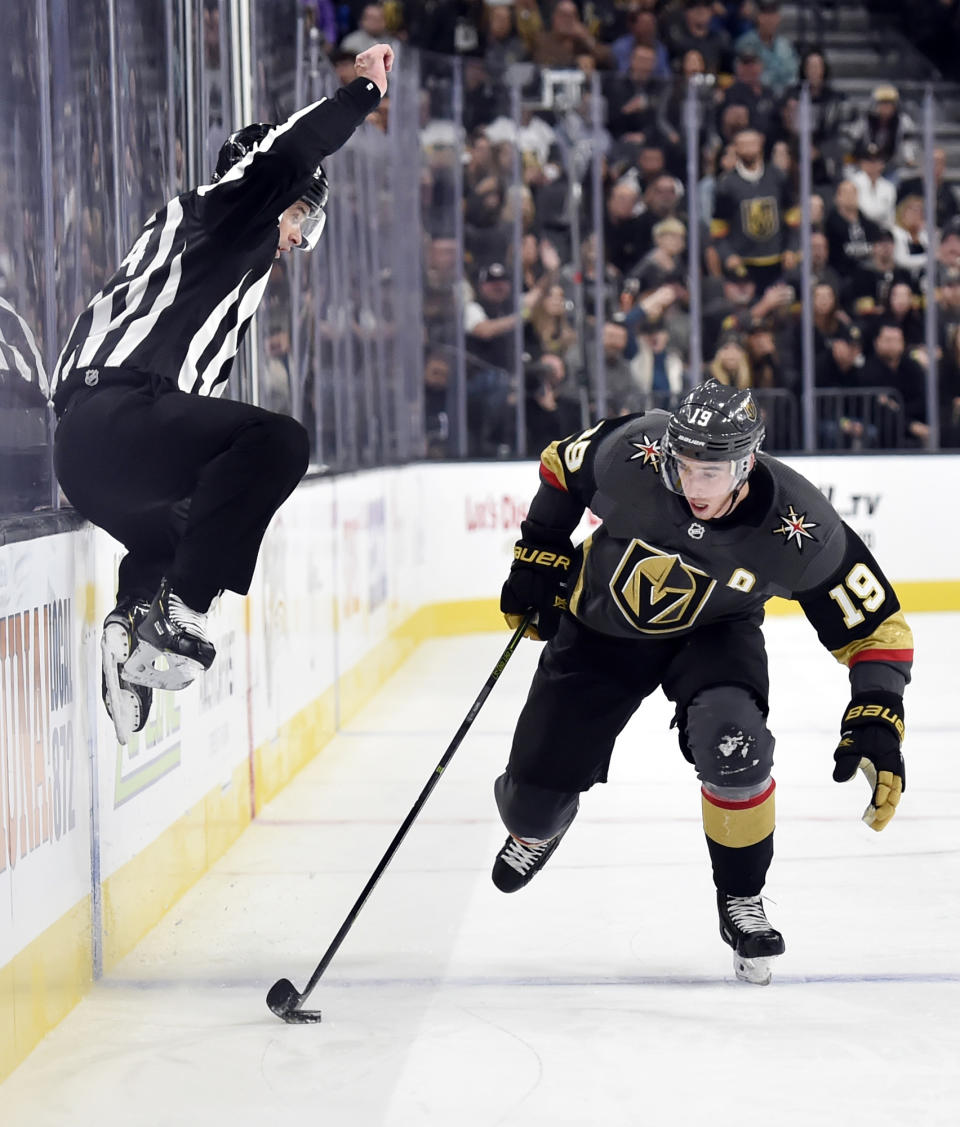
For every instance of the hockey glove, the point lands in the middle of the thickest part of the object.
(537, 581)
(870, 738)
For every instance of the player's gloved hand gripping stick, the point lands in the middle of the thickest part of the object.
(283, 997)
(538, 582)
(870, 738)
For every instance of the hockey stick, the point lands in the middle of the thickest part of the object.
(283, 998)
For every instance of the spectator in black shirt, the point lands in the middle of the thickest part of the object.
(625, 237)
(849, 232)
(890, 366)
(502, 47)
(904, 309)
(551, 410)
(632, 99)
(486, 235)
(947, 202)
(820, 268)
(436, 382)
(840, 363)
(843, 421)
(670, 115)
(868, 287)
(827, 318)
(692, 31)
(748, 90)
(830, 114)
(948, 308)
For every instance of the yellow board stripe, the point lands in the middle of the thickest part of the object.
(42, 983)
(738, 828)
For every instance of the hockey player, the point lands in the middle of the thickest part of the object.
(699, 529)
(144, 448)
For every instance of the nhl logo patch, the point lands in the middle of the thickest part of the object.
(696, 531)
(649, 451)
(795, 527)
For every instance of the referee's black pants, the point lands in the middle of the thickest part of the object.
(188, 484)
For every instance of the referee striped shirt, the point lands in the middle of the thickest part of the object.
(182, 299)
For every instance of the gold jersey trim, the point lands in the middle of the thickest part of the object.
(892, 634)
(578, 588)
(551, 459)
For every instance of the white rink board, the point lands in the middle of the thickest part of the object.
(294, 611)
(889, 500)
(44, 777)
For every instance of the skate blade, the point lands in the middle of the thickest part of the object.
(755, 971)
(158, 669)
(121, 704)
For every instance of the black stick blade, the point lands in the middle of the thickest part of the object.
(283, 999)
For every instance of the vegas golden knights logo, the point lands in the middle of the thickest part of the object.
(760, 217)
(658, 593)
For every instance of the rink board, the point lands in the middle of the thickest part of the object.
(354, 573)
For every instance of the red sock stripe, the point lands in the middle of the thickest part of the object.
(744, 804)
(881, 655)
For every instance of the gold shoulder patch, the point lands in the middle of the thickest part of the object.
(551, 467)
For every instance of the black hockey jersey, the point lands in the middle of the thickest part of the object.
(651, 569)
(182, 299)
(755, 218)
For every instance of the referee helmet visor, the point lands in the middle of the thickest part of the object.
(315, 197)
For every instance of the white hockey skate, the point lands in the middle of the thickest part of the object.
(127, 704)
(172, 645)
(745, 927)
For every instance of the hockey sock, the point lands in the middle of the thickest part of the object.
(740, 838)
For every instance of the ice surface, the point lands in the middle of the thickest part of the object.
(602, 993)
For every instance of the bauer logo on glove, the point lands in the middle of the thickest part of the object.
(537, 581)
(870, 738)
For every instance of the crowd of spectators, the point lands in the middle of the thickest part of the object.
(870, 234)
(587, 332)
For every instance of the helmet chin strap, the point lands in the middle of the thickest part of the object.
(738, 489)
(732, 501)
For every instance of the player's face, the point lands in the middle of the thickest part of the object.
(706, 486)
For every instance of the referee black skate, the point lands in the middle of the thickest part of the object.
(145, 448)
(699, 529)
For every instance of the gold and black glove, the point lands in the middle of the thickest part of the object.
(870, 738)
(537, 581)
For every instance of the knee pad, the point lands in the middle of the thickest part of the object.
(532, 812)
(727, 737)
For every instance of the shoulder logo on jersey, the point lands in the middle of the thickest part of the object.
(649, 451)
(656, 591)
(795, 527)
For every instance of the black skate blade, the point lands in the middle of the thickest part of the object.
(283, 999)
